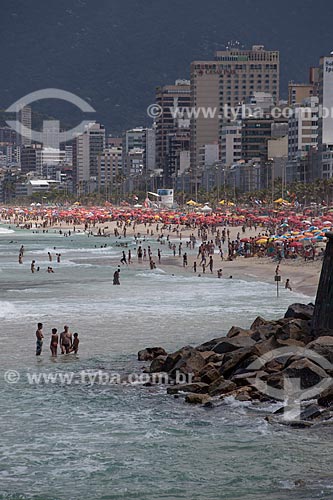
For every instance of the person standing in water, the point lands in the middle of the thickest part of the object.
(65, 340)
(39, 339)
(54, 342)
(287, 285)
(116, 277)
(76, 341)
(123, 259)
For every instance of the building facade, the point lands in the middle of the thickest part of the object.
(223, 83)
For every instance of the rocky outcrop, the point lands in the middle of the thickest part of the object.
(151, 353)
(269, 351)
(300, 311)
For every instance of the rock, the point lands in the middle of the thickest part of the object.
(210, 344)
(326, 397)
(229, 345)
(157, 365)
(295, 329)
(221, 386)
(151, 353)
(197, 388)
(300, 311)
(236, 331)
(236, 360)
(259, 321)
(274, 366)
(243, 397)
(190, 363)
(216, 358)
(323, 346)
(265, 346)
(209, 373)
(310, 412)
(174, 357)
(266, 331)
(207, 355)
(309, 374)
(197, 399)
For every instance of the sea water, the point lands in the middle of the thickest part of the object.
(119, 441)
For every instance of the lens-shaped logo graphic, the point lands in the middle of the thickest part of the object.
(154, 111)
(291, 392)
(51, 128)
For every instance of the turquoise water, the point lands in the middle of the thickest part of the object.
(120, 441)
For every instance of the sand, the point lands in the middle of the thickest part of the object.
(303, 276)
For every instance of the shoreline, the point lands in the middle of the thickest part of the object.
(303, 276)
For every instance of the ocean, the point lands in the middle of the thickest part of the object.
(103, 440)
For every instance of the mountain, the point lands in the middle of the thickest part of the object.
(113, 53)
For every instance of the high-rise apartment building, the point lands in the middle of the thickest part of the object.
(110, 163)
(24, 117)
(325, 122)
(223, 83)
(174, 102)
(297, 92)
(231, 143)
(86, 149)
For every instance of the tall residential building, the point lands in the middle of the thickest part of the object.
(174, 102)
(230, 79)
(8, 136)
(149, 157)
(231, 143)
(255, 135)
(30, 158)
(303, 128)
(297, 92)
(134, 138)
(110, 164)
(24, 117)
(86, 149)
(325, 122)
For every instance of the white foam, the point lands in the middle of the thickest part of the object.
(4, 230)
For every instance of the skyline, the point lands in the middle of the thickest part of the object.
(117, 70)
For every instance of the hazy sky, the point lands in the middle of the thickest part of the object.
(115, 52)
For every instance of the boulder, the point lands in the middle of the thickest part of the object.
(326, 397)
(190, 363)
(266, 331)
(209, 373)
(210, 344)
(157, 365)
(307, 372)
(300, 311)
(235, 361)
(236, 331)
(197, 399)
(151, 353)
(207, 355)
(295, 329)
(310, 412)
(229, 345)
(174, 357)
(323, 346)
(259, 321)
(221, 386)
(197, 388)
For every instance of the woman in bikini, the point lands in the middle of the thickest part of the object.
(54, 342)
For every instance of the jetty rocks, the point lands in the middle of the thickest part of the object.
(255, 364)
